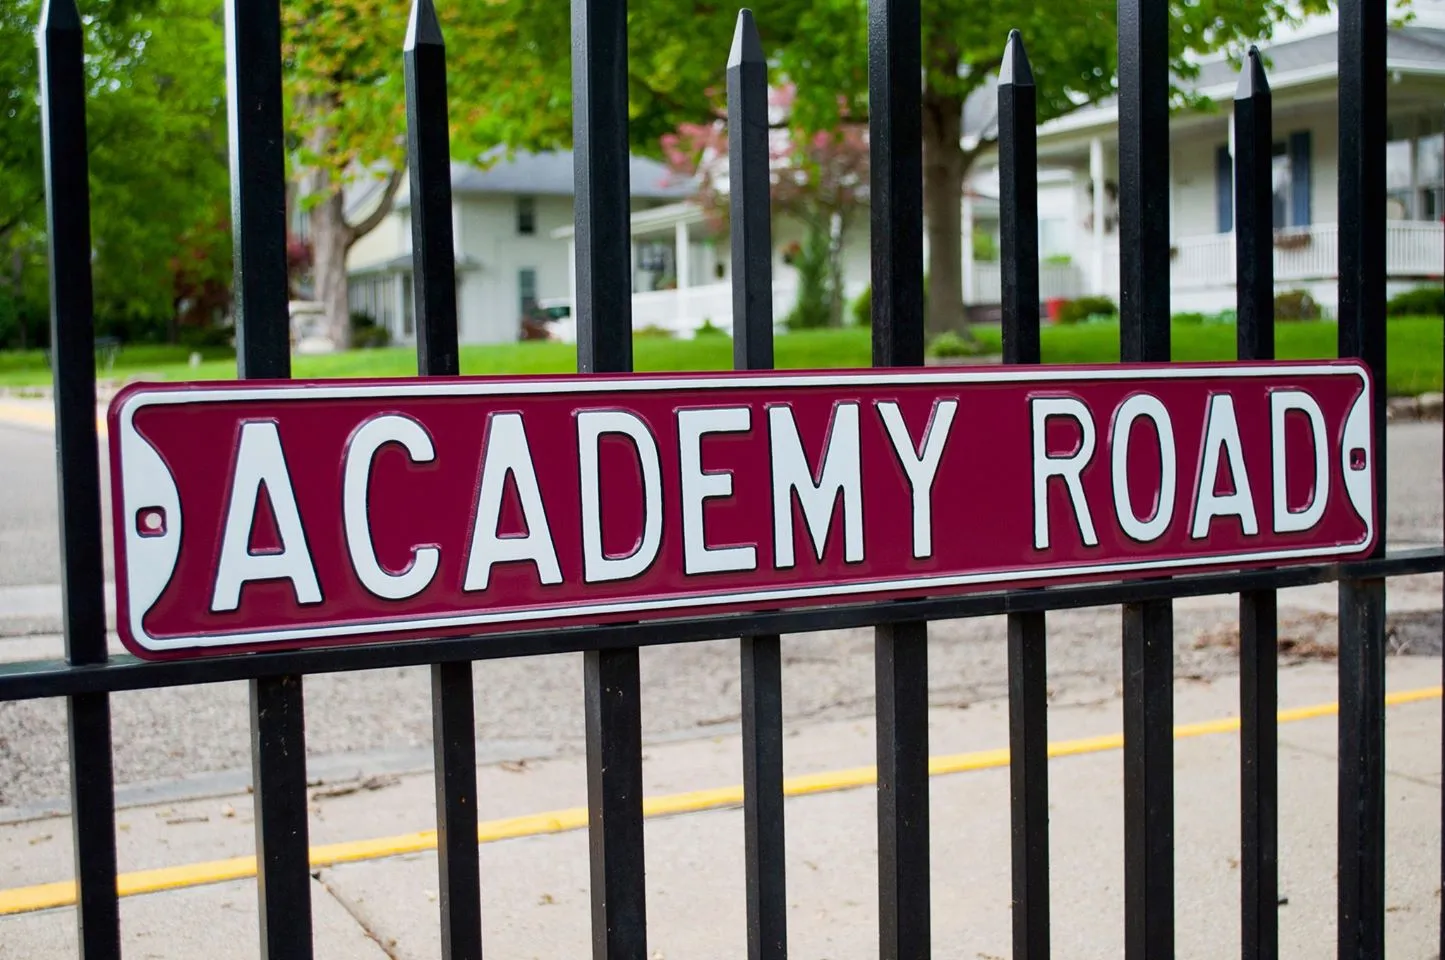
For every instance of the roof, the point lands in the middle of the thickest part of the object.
(1291, 63)
(550, 174)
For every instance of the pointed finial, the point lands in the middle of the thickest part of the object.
(423, 30)
(59, 16)
(1015, 69)
(1252, 80)
(747, 48)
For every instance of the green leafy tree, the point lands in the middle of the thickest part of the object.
(509, 84)
(1071, 45)
(156, 116)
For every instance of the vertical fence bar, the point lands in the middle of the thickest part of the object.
(258, 220)
(434, 292)
(72, 346)
(1144, 336)
(1258, 618)
(604, 345)
(895, 61)
(1027, 632)
(762, 676)
(1361, 906)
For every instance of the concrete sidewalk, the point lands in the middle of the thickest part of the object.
(535, 888)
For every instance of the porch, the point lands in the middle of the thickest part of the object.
(1202, 268)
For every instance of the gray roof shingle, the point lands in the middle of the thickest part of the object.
(550, 174)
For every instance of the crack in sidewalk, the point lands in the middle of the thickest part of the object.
(386, 945)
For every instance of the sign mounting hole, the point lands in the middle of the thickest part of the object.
(151, 522)
(1357, 458)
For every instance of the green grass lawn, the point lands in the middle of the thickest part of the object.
(1415, 361)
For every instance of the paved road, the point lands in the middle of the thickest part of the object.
(529, 708)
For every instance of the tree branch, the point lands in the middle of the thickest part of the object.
(373, 219)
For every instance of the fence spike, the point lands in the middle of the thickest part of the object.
(59, 16)
(1015, 70)
(423, 29)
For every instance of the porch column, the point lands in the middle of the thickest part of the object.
(682, 262)
(572, 277)
(968, 294)
(1096, 174)
(399, 301)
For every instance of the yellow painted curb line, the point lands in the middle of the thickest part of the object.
(62, 894)
(41, 417)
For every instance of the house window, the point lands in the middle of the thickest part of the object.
(527, 216)
(1415, 168)
(527, 290)
(1430, 176)
(1289, 178)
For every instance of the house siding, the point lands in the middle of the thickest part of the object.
(490, 304)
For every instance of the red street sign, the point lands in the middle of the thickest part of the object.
(284, 514)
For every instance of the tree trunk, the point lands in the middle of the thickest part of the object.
(836, 301)
(330, 240)
(943, 170)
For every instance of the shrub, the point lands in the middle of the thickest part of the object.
(1058, 260)
(814, 302)
(365, 334)
(1420, 302)
(863, 307)
(1190, 318)
(653, 332)
(950, 344)
(1295, 305)
(1086, 308)
(985, 247)
(709, 329)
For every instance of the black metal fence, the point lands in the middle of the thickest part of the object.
(88, 675)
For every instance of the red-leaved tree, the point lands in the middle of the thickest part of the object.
(819, 179)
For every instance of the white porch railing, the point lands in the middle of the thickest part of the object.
(1412, 249)
(682, 312)
(1055, 280)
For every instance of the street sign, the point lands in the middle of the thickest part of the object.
(285, 514)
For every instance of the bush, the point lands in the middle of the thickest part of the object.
(863, 308)
(949, 344)
(1190, 318)
(1420, 302)
(365, 334)
(814, 303)
(1295, 305)
(653, 332)
(985, 247)
(709, 329)
(1086, 308)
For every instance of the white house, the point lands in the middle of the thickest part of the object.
(503, 218)
(1303, 75)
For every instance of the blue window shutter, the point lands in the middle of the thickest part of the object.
(1299, 175)
(1224, 189)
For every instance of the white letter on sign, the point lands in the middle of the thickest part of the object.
(596, 565)
(699, 485)
(360, 452)
(1281, 402)
(921, 468)
(507, 452)
(841, 476)
(1221, 432)
(1143, 405)
(259, 461)
(1069, 467)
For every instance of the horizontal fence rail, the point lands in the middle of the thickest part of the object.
(1358, 249)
